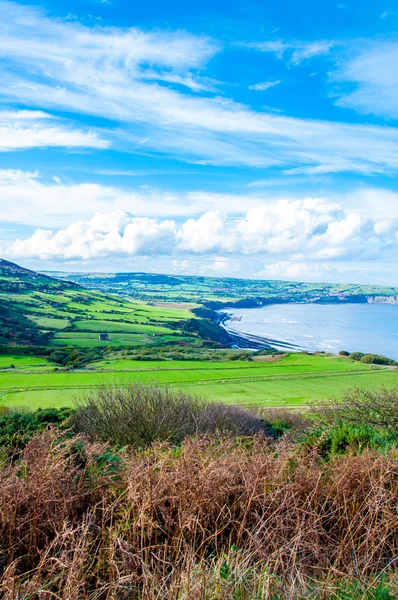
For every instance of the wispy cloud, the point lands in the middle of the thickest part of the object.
(264, 85)
(24, 129)
(372, 69)
(388, 13)
(110, 73)
(307, 51)
(295, 51)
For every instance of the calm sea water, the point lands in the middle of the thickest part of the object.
(330, 327)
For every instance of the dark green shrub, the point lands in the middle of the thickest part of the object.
(356, 355)
(345, 438)
(368, 407)
(18, 427)
(368, 359)
(139, 415)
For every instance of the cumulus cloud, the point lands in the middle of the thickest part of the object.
(28, 199)
(206, 234)
(24, 129)
(116, 233)
(310, 228)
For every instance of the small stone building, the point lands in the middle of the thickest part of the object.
(103, 337)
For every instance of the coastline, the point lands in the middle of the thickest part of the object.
(369, 330)
(252, 341)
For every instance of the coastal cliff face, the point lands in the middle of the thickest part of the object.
(213, 306)
(383, 299)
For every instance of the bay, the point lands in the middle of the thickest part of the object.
(365, 328)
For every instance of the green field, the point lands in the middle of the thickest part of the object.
(294, 380)
(44, 311)
(151, 318)
(23, 363)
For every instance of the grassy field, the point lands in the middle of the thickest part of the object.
(294, 380)
(68, 315)
(40, 311)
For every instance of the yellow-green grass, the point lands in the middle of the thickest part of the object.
(111, 326)
(290, 363)
(50, 322)
(296, 380)
(23, 362)
(86, 340)
(84, 312)
(60, 298)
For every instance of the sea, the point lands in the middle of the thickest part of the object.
(368, 328)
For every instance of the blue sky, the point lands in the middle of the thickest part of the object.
(254, 139)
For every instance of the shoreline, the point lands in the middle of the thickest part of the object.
(358, 337)
(251, 341)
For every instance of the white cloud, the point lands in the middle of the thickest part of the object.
(262, 86)
(388, 13)
(205, 234)
(372, 68)
(126, 74)
(276, 47)
(310, 228)
(26, 199)
(312, 272)
(297, 51)
(25, 129)
(310, 50)
(104, 235)
(221, 265)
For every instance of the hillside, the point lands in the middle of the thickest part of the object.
(40, 310)
(93, 337)
(14, 278)
(218, 291)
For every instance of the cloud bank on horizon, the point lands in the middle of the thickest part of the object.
(245, 142)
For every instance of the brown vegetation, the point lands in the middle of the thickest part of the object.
(215, 518)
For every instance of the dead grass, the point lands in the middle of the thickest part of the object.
(212, 519)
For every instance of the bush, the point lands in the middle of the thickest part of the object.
(139, 415)
(18, 427)
(376, 359)
(343, 438)
(344, 353)
(356, 355)
(364, 407)
(368, 359)
(285, 421)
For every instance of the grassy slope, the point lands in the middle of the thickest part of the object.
(74, 316)
(71, 315)
(297, 379)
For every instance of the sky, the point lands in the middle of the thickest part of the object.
(245, 139)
